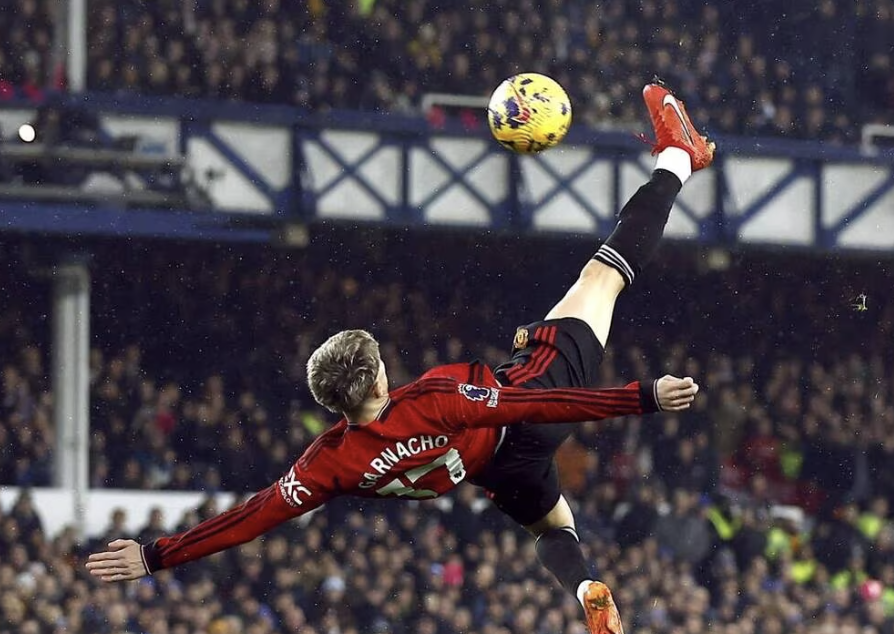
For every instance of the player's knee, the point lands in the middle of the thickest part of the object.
(559, 517)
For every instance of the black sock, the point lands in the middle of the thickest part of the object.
(640, 226)
(558, 549)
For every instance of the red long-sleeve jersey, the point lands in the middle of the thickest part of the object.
(433, 434)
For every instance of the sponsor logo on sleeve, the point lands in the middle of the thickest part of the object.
(290, 488)
(478, 394)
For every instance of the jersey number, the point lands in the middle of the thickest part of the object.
(455, 469)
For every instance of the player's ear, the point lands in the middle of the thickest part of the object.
(380, 385)
(378, 390)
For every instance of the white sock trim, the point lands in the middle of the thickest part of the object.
(570, 529)
(582, 589)
(611, 255)
(676, 161)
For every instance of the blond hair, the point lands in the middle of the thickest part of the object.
(341, 372)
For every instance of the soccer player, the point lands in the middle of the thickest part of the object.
(496, 429)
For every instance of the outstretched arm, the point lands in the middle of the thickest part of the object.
(472, 406)
(126, 559)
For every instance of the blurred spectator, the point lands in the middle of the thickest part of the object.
(637, 523)
(26, 62)
(684, 533)
(839, 541)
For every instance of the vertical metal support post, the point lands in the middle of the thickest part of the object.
(75, 29)
(71, 380)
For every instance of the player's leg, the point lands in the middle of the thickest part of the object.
(523, 482)
(558, 549)
(523, 479)
(681, 150)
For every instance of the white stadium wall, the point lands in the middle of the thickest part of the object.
(56, 507)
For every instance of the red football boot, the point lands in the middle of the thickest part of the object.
(602, 613)
(673, 128)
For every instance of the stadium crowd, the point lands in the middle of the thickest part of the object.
(801, 69)
(746, 69)
(413, 567)
(196, 382)
(26, 60)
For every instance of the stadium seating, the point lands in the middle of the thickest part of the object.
(26, 62)
(394, 568)
(744, 70)
(198, 361)
(741, 76)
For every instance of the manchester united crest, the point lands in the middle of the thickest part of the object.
(521, 339)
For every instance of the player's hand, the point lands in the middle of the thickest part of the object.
(675, 394)
(122, 562)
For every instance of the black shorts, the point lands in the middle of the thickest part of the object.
(522, 479)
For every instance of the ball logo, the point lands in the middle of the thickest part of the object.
(519, 113)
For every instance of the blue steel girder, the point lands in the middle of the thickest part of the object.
(351, 169)
(562, 185)
(860, 207)
(280, 199)
(799, 169)
(277, 198)
(456, 177)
